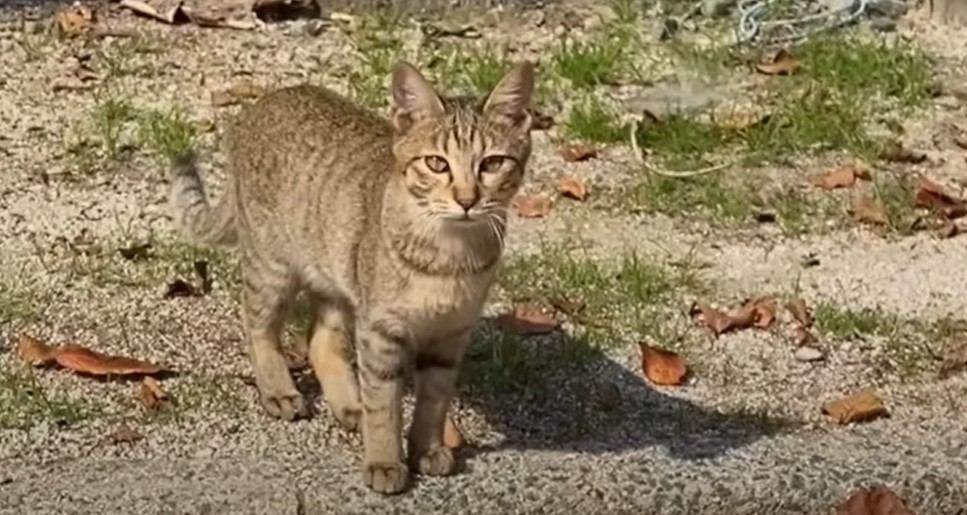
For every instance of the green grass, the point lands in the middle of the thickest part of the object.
(587, 64)
(24, 402)
(896, 192)
(111, 114)
(594, 121)
(196, 395)
(627, 294)
(911, 346)
(378, 47)
(167, 133)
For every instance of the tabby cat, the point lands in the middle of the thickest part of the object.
(393, 229)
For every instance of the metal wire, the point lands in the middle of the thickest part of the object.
(751, 27)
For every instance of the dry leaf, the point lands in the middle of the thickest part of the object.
(859, 407)
(873, 501)
(578, 152)
(573, 187)
(869, 210)
(124, 434)
(782, 63)
(532, 206)
(135, 252)
(452, 437)
(74, 21)
(567, 306)
(151, 395)
(34, 351)
(86, 361)
(797, 308)
(755, 313)
(528, 319)
(803, 337)
(931, 195)
(842, 177)
(661, 366)
(200, 286)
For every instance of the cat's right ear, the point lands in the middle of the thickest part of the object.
(413, 97)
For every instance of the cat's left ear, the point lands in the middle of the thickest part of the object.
(512, 96)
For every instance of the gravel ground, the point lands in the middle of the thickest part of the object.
(744, 436)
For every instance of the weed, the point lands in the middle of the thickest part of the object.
(25, 403)
(587, 64)
(594, 121)
(167, 133)
(111, 114)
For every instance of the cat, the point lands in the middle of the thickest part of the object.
(393, 228)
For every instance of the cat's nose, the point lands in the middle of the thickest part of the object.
(466, 202)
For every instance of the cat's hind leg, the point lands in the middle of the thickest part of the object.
(266, 293)
(330, 350)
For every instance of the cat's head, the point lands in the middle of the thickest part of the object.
(462, 160)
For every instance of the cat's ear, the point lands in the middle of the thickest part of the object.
(413, 97)
(512, 95)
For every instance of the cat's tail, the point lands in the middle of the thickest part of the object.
(194, 216)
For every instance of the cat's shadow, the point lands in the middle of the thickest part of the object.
(555, 392)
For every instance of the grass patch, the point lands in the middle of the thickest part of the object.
(167, 133)
(629, 294)
(587, 64)
(846, 324)
(110, 115)
(197, 394)
(593, 120)
(378, 45)
(897, 192)
(473, 71)
(24, 402)
(18, 305)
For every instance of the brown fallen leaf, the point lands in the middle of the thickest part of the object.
(842, 177)
(895, 152)
(781, 63)
(532, 206)
(661, 366)
(201, 285)
(34, 352)
(73, 21)
(578, 152)
(859, 407)
(151, 395)
(573, 187)
(932, 196)
(567, 306)
(800, 312)
(452, 437)
(758, 312)
(83, 360)
(877, 500)
(528, 319)
(135, 252)
(803, 337)
(868, 209)
(124, 434)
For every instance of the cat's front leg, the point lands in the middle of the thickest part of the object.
(382, 357)
(436, 377)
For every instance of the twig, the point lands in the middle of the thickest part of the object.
(633, 131)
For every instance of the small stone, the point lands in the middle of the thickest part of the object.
(808, 354)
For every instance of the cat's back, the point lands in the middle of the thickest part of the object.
(308, 126)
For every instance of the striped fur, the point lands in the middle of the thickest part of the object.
(394, 230)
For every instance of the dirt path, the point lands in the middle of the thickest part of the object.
(80, 179)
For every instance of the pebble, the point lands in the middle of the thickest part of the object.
(808, 354)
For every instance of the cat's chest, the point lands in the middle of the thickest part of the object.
(441, 305)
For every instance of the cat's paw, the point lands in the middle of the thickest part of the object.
(285, 404)
(349, 417)
(386, 478)
(437, 461)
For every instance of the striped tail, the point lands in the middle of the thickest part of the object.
(194, 216)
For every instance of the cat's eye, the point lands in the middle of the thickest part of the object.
(491, 164)
(437, 164)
